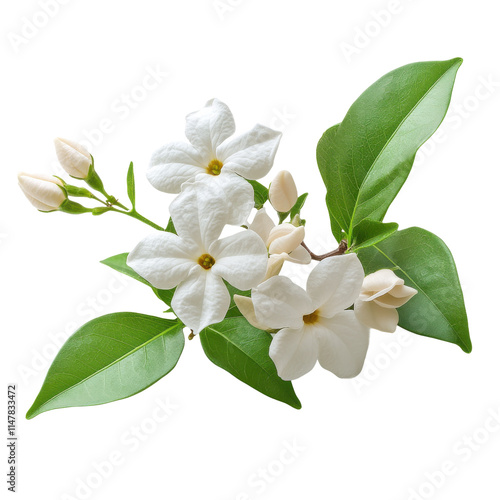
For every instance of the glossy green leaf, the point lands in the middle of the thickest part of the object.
(365, 160)
(426, 264)
(299, 204)
(110, 358)
(170, 226)
(119, 263)
(243, 351)
(131, 184)
(370, 232)
(261, 194)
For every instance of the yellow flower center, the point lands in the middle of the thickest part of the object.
(206, 261)
(214, 167)
(312, 318)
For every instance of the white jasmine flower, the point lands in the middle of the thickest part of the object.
(43, 191)
(313, 324)
(381, 294)
(197, 261)
(283, 240)
(283, 192)
(213, 155)
(73, 157)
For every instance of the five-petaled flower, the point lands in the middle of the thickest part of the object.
(196, 261)
(381, 294)
(214, 156)
(314, 325)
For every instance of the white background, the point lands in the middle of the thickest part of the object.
(419, 403)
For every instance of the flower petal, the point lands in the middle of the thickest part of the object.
(246, 308)
(199, 213)
(250, 155)
(163, 259)
(209, 127)
(372, 315)
(43, 191)
(335, 283)
(285, 238)
(174, 164)
(343, 343)
(262, 224)
(201, 300)
(241, 259)
(294, 352)
(299, 256)
(380, 283)
(274, 265)
(237, 194)
(281, 303)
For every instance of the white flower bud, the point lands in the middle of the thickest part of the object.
(73, 157)
(381, 294)
(43, 191)
(283, 192)
(285, 238)
(246, 308)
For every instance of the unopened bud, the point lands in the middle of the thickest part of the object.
(73, 157)
(45, 193)
(285, 238)
(283, 192)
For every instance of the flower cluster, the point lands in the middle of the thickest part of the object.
(211, 175)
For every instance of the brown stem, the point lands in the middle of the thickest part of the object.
(339, 251)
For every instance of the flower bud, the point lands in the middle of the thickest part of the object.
(246, 308)
(73, 157)
(285, 238)
(45, 193)
(283, 192)
(382, 292)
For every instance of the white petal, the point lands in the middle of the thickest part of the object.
(209, 127)
(389, 301)
(262, 224)
(246, 308)
(174, 164)
(201, 300)
(281, 303)
(283, 192)
(343, 343)
(294, 352)
(241, 259)
(299, 256)
(73, 157)
(274, 265)
(163, 259)
(237, 194)
(250, 155)
(285, 238)
(403, 291)
(372, 315)
(43, 191)
(199, 213)
(335, 283)
(379, 283)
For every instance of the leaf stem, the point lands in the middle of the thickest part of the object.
(136, 215)
(339, 251)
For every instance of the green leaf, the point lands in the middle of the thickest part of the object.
(110, 358)
(131, 184)
(170, 226)
(370, 232)
(119, 263)
(261, 194)
(366, 159)
(426, 264)
(242, 350)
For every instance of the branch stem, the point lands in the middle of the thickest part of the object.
(339, 251)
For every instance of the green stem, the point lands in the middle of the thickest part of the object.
(136, 215)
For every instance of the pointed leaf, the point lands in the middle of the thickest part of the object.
(261, 194)
(131, 184)
(370, 232)
(110, 358)
(243, 351)
(366, 159)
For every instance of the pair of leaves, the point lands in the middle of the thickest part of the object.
(110, 358)
(365, 160)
